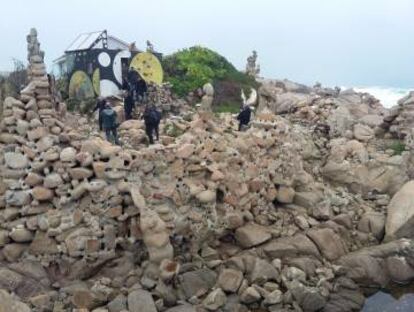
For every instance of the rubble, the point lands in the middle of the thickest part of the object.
(288, 215)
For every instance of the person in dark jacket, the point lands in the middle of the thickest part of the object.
(100, 106)
(244, 116)
(152, 119)
(142, 89)
(109, 123)
(129, 86)
(128, 99)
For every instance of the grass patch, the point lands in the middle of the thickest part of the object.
(173, 131)
(227, 107)
(398, 147)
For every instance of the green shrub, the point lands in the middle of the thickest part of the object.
(189, 69)
(398, 147)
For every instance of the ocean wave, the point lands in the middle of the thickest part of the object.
(388, 96)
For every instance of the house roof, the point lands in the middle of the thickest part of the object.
(88, 40)
(85, 41)
(121, 42)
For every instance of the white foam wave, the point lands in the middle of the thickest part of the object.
(388, 96)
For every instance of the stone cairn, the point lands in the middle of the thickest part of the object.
(252, 69)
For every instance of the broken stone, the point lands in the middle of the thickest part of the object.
(41, 193)
(9, 303)
(21, 235)
(215, 300)
(230, 280)
(88, 299)
(197, 283)
(207, 196)
(285, 195)
(251, 235)
(250, 295)
(15, 160)
(141, 301)
(328, 242)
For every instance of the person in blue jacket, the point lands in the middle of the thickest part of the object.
(109, 123)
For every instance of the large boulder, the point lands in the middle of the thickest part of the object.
(377, 265)
(400, 218)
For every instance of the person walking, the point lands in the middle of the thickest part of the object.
(152, 119)
(244, 117)
(142, 89)
(109, 123)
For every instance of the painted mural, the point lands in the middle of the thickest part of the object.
(80, 85)
(96, 78)
(100, 71)
(148, 66)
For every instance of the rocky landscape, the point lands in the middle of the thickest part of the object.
(310, 209)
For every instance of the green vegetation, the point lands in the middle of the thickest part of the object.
(85, 106)
(227, 107)
(173, 130)
(189, 69)
(398, 147)
(62, 85)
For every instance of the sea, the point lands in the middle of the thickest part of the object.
(388, 96)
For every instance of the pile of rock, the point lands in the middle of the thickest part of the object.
(275, 218)
(163, 98)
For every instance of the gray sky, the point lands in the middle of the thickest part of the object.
(336, 42)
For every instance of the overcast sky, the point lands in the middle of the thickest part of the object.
(336, 42)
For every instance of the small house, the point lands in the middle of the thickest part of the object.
(96, 64)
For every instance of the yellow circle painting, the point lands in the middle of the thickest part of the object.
(96, 79)
(80, 85)
(148, 66)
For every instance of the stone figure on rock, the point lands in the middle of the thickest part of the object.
(150, 47)
(252, 69)
(33, 45)
(207, 99)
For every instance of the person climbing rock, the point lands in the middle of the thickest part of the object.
(100, 106)
(244, 116)
(109, 123)
(142, 89)
(152, 119)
